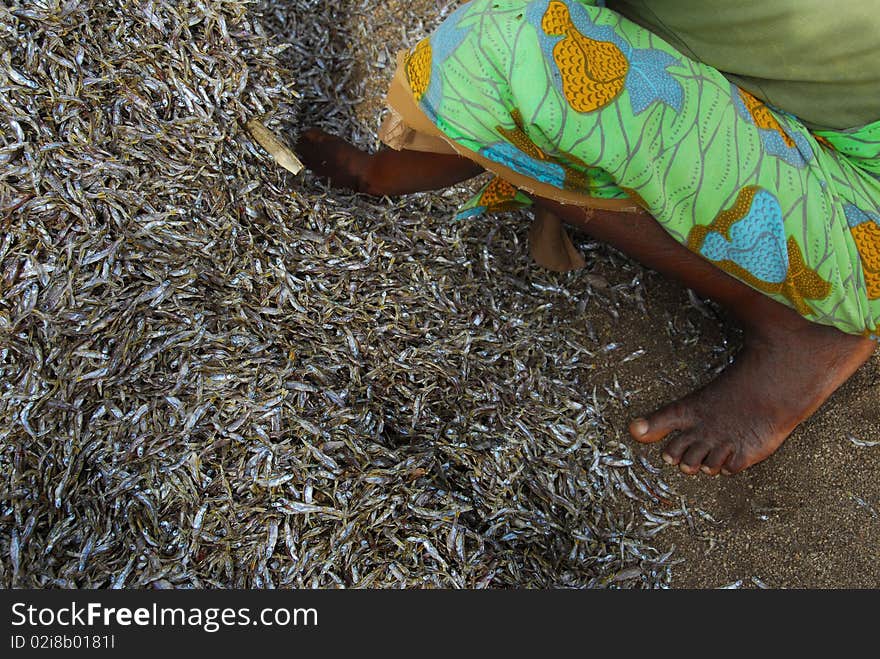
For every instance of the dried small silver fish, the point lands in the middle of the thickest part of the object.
(862, 443)
(218, 375)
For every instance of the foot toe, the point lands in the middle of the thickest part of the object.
(693, 457)
(717, 456)
(734, 464)
(676, 448)
(676, 416)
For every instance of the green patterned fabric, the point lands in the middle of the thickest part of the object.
(580, 98)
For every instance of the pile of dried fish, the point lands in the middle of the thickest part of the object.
(214, 374)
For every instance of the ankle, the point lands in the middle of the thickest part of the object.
(763, 317)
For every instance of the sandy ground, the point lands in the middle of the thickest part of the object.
(805, 518)
(809, 517)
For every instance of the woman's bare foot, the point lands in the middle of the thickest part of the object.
(788, 367)
(782, 375)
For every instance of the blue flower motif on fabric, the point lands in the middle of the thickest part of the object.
(757, 242)
(508, 155)
(496, 196)
(855, 216)
(466, 213)
(444, 42)
(647, 79)
(798, 154)
(649, 82)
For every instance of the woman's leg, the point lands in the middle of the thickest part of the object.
(735, 187)
(786, 370)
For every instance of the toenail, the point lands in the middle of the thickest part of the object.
(725, 472)
(640, 426)
(668, 459)
(706, 470)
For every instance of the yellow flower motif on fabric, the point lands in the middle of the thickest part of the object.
(762, 116)
(499, 196)
(867, 237)
(823, 141)
(803, 283)
(593, 72)
(518, 137)
(418, 68)
(865, 228)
